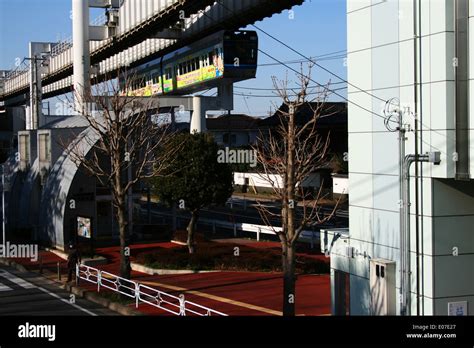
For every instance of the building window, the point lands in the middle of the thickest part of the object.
(44, 148)
(230, 139)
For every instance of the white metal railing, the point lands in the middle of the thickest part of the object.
(61, 46)
(176, 305)
(308, 236)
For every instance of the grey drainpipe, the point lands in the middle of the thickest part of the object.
(461, 67)
(431, 157)
(418, 110)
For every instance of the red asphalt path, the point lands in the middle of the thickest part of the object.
(233, 293)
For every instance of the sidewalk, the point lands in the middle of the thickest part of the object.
(233, 293)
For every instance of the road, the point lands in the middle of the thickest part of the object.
(25, 294)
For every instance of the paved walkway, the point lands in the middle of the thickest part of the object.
(233, 293)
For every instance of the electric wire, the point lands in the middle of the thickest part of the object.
(301, 74)
(305, 57)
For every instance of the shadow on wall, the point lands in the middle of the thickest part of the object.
(387, 239)
(28, 215)
(56, 191)
(373, 193)
(360, 296)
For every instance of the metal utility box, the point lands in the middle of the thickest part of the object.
(382, 287)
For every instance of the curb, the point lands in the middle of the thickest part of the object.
(152, 271)
(57, 252)
(178, 242)
(13, 264)
(95, 298)
(86, 294)
(85, 261)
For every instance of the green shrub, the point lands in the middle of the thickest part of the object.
(220, 256)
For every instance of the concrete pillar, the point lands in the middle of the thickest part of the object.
(173, 119)
(34, 115)
(198, 117)
(225, 92)
(35, 93)
(81, 60)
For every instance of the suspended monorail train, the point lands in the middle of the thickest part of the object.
(230, 55)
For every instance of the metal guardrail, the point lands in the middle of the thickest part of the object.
(176, 305)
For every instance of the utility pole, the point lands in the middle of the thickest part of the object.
(35, 93)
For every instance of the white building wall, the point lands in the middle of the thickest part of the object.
(263, 180)
(381, 61)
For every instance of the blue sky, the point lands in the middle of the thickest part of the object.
(315, 28)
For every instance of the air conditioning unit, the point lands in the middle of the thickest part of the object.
(383, 287)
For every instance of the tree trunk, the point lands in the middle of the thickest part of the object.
(288, 248)
(289, 280)
(191, 231)
(125, 268)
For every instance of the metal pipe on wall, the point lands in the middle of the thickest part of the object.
(461, 67)
(418, 99)
(420, 188)
(401, 156)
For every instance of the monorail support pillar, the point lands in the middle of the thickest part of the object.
(223, 101)
(198, 117)
(81, 61)
(225, 93)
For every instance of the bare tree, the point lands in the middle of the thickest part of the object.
(122, 146)
(294, 151)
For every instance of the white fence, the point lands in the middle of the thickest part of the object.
(176, 305)
(307, 236)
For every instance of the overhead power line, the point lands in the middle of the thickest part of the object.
(272, 89)
(301, 74)
(276, 96)
(299, 61)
